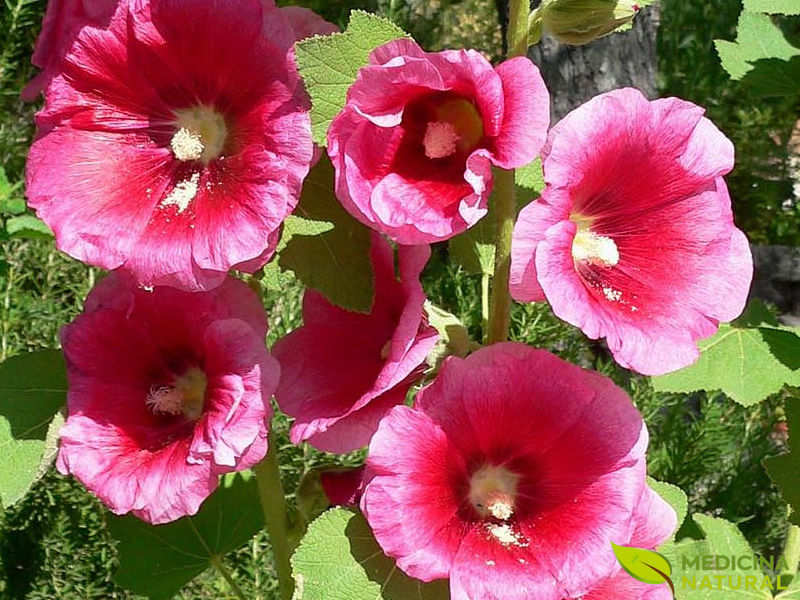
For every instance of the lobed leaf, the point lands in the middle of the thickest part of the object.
(33, 389)
(339, 558)
(326, 248)
(329, 65)
(762, 53)
(674, 496)
(784, 7)
(747, 361)
(722, 539)
(157, 561)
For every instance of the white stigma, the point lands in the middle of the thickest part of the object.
(165, 400)
(599, 250)
(492, 492)
(440, 140)
(200, 134)
(187, 144)
(501, 509)
(183, 193)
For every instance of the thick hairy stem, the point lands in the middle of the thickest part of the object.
(504, 206)
(504, 209)
(273, 502)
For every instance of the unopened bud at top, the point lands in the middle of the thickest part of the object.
(579, 22)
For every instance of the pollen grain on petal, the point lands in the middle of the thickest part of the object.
(183, 193)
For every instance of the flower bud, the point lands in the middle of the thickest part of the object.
(579, 22)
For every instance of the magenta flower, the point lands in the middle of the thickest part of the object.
(167, 390)
(414, 146)
(304, 22)
(342, 371)
(633, 238)
(654, 521)
(62, 22)
(155, 155)
(512, 475)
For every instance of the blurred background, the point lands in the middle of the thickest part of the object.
(54, 543)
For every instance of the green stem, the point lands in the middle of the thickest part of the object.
(504, 206)
(519, 12)
(485, 278)
(504, 209)
(273, 502)
(791, 551)
(223, 570)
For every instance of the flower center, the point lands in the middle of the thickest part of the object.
(440, 139)
(493, 491)
(185, 396)
(456, 126)
(594, 249)
(201, 134)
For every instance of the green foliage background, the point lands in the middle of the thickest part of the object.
(55, 543)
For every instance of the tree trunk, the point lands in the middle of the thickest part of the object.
(574, 74)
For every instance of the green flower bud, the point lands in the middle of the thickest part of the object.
(579, 22)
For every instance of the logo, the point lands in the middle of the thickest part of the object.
(645, 565)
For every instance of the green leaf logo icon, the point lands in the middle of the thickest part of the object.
(644, 565)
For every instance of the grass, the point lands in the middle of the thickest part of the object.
(54, 543)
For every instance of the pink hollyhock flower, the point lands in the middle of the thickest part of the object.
(65, 18)
(156, 156)
(167, 390)
(343, 487)
(512, 475)
(654, 521)
(342, 371)
(305, 22)
(633, 238)
(62, 22)
(414, 146)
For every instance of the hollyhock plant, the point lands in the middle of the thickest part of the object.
(167, 391)
(633, 238)
(414, 146)
(342, 371)
(512, 475)
(156, 156)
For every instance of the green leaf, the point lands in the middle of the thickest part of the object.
(747, 363)
(329, 65)
(28, 227)
(784, 469)
(335, 258)
(474, 249)
(674, 496)
(784, 7)
(530, 177)
(339, 558)
(157, 561)
(774, 78)
(757, 38)
(643, 565)
(33, 389)
(10, 203)
(693, 581)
